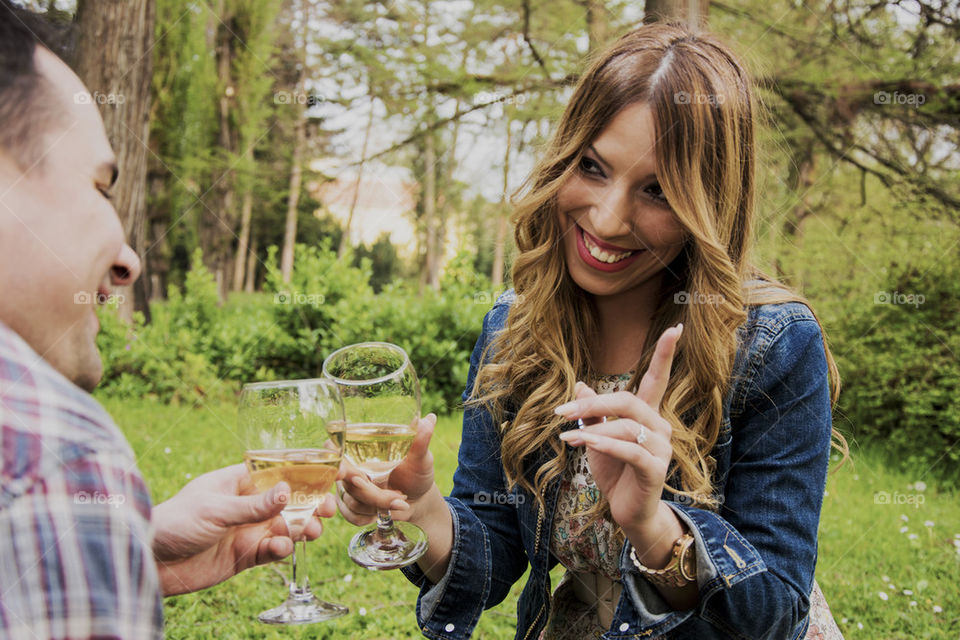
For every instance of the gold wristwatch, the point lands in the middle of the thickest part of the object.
(679, 572)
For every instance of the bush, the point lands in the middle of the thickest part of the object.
(195, 348)
(898, 362)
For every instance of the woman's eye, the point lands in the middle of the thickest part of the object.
(590, 167)
(656, 192)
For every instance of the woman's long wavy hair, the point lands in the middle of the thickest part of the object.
(704, 119)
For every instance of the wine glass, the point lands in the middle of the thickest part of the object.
(381, 397)
(293, 431)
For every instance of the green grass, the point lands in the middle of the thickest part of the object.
(860, 544)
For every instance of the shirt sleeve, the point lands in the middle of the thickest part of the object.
(78, 561)
(756, 556)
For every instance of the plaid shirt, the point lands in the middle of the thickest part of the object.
(76, 559)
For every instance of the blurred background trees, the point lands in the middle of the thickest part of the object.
(391, 135)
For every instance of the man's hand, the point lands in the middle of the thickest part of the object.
(218, 525)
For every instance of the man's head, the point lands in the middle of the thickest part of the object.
(62, 247)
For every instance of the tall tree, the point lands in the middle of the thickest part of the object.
(113, 60)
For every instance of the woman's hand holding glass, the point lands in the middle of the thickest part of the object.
(359, 498)
(629, 456)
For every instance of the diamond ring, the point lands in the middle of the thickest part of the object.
(642, 435)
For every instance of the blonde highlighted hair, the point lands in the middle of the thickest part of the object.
(703, 110)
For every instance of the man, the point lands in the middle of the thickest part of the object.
(83, 553)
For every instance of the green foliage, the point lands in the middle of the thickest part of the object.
(195, 348)
(898, 360)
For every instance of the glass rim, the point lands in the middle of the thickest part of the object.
(366, 381)
(277, 384)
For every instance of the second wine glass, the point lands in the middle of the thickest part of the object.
(381, 398)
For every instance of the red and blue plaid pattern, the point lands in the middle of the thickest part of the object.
(75, 552)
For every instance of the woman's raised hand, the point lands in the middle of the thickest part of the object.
(629, 455)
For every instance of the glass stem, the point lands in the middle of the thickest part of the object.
(294, 585)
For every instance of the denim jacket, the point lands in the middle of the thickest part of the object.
(755, 556)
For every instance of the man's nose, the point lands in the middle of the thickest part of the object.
(126, 267)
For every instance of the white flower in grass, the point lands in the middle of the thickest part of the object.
(907, 592)
(885, 578)
(920, 485)
(166, 449)
(826, 493)
(904, 517)
(363, 611)
(912, 536)
(928, 523)
(913, 603)
(904, 529)
(883, 596)
(937, 608)
(891, 587)
(348, 577)
(956, 536)
(188, 475)
(859, 625)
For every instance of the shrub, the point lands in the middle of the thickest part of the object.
(898, 362)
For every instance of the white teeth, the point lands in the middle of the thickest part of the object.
(602, 255)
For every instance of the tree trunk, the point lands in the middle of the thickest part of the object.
(500, 242)
(345, 238)
(429, 211)
(246, 216)
(113, 60)
(296, 178)
(221, 228)
(251, 278)
(693, 13)
(597, 23)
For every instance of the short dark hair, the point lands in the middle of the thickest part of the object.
(25, 101)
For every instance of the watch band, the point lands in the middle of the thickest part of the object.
(679, 572)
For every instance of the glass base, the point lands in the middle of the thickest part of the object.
(303, 608)
(372, 550)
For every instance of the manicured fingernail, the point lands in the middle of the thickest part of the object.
(680, 327)
(577, 386)
(565, 409)
(399, 504)
(572, 438)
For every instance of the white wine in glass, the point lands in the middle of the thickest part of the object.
(381, 397)
(293, 432)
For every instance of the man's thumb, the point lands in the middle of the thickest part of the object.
(257, 508)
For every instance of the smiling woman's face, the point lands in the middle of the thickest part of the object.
(618, 230)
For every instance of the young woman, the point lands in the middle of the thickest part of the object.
(687, 504)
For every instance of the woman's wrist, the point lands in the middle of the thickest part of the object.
(653, 539)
